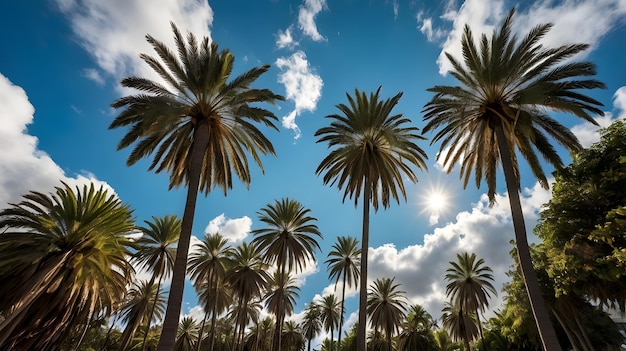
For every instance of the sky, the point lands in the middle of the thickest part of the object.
(61, 62)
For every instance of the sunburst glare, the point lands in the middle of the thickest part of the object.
(435, 202)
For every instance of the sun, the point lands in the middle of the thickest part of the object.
(437, 201)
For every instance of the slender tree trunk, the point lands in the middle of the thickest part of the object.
(206, 313)
(343, 297)
(106, 339)
(535, 297)
(280, 317)
(213, 321)
(156, 297)
(82, 336)
(175, 299)
(361, 341)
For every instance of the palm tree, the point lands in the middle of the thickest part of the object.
(343, 262)
(329, 314)
(373, 151)
(417, 330)
(280, 298)
(200, 132)
(187, 335)
(63, 261)
(470, 285)
(311, 323)
(443, 342)
(500, 110)
(461, 325)
(293, 337)
(260, 337)
(386, 306)
(247, 278)
(289, 241)
(143, 300)
(207, 267)
(156, 254)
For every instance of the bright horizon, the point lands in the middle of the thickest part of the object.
(62, 61)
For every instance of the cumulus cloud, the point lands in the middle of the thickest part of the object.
(26, 167)
(574, 22)
(302, 84)
(232, 229)
(285, 39)
(587, 133)
(306, 18)
(113, 32)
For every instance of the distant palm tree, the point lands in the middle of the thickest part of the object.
(417, 330)
(144, 300)
(207, 267)
(248, 278)
(201, 128)
(63, 261)
(187, 335)
(259, 338)
(460, 325)
(443, 342)
(311, 323)
(500, 110)
(293, 339)
(289, 241)
(470, 285)
(156, 253)
(386, 306)
(330, 315)
(281, 296)
(343, 263)
(372, 153)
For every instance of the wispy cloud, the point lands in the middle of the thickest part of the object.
(94, 75)
(113, 32)
(306, 18)
(302, 84)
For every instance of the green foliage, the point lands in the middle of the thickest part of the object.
(583, 227)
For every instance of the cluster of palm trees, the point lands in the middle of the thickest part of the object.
(200, 126)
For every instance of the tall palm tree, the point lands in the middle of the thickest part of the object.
(144, 301)
(293, 337)
(207, 267)
(289, 241)
(201, 127)
(417, 330)
(280, 298)
(63, 260)
(260, 337)
(329, 314)
(372, 153)
(470, 285)
(343, 263)
(386, 306)
(499, 110)
(156, 253)
(187, 335)
(459, 324)
(311, 323)
(248, 279)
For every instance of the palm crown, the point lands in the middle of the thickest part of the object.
(509, 84)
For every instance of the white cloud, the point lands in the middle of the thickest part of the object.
(113, 32)
(232, 229)
(94, 75)
(574, 22)
(431, 34)
(302, 84)
(306, 18)
(26, 167)
(285, 39)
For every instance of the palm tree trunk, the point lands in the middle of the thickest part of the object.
(156, 297)
(175, 299)
(343, 297)
(361, 341)
(281, 313)
(106, 339)
(535, 297)
(213, 321)
(206, 313)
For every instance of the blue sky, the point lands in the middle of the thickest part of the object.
(61, 62)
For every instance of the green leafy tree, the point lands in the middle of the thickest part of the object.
(583, 226)
(372, 152)
(289, 241)
(499, 110)
(444, 343)
(207, 267)
(343, 263)
(201, 127)
(156, 253)
(63, 262)
(386, 306)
